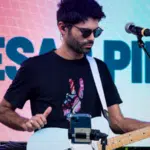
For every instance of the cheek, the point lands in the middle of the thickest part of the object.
(80, 39)
(77, 35)
(75, 38)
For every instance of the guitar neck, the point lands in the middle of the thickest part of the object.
(127, 138)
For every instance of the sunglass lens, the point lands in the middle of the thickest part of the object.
(98, 32)
(86, 33)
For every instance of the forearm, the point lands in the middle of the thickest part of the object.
(11, 119)
(128, 124)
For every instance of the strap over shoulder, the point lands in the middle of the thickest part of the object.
(98, 83)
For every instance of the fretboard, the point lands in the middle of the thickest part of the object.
(127, 138)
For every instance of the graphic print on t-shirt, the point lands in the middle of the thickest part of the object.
(72, 103)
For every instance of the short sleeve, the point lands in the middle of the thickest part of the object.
(19, 90)
(111, 93)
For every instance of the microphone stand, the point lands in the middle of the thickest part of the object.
(142, 45)
(96, 135)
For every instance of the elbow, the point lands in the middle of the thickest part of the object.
(117, 125)
(115, 130)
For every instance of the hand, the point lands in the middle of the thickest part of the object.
(37, 122)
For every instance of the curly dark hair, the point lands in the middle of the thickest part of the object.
(76, 11)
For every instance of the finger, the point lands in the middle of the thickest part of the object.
(42, 117)
(35, 124)
(81, 89)
(29, 126)
(72, 87)
(47, 112)
(39, 120)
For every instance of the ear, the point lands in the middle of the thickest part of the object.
(61, 27)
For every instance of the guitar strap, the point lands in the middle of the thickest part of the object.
(99, 87)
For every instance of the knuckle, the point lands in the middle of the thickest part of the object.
(44, 118)
(36, 125)
(37, 115)
(41, 115)
(29, 125)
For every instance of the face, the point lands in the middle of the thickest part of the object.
(80, 39)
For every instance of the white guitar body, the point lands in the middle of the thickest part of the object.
(57, 138)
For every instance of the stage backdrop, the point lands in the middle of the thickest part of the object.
(28, 27)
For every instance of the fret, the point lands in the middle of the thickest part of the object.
(112, 141)
(127, 138)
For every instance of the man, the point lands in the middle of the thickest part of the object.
(60, 82)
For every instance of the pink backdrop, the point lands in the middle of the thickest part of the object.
(35, 20)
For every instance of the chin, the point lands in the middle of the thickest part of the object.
(83, 51)
(86, 50)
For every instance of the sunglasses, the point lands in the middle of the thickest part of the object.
(87, 32)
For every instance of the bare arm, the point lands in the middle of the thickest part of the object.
(10, 118)
(120, 124)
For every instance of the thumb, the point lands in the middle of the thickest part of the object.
(47, 111)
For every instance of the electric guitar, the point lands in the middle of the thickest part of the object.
(57, 138)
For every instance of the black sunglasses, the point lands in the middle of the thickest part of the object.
(87, 32)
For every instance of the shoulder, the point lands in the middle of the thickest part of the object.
(102, 67)
(101, 64)
(39, 60)
(99, 61)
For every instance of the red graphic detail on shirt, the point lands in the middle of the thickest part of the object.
(72, 103)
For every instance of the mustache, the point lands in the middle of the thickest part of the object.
(87, 43)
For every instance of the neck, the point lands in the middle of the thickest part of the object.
(67, 53)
